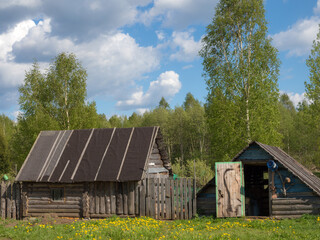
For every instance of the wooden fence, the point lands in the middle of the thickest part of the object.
(10, 200)
(162, 198)
(159, 198)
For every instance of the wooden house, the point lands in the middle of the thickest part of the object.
(91, 173)
(261, 180)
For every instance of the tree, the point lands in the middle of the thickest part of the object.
(164, 104)
(241, 69)
(54, 100)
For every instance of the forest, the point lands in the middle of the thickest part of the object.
(243, 103)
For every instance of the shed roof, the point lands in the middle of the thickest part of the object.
(287, 161)
(109, 154)
(290, 163)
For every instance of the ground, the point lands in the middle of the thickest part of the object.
(306, 227)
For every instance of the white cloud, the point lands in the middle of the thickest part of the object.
(297, 40)
(160, 35)
(12, 36)
(316, 9)
(187, 47)
(180, 13)
(167, 85)
(295, 98)
(14, 3)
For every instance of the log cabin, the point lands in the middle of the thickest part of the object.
(90, 173)
(261, 180)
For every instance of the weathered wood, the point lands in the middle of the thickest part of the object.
(13, 201)
(296, 212)
(147, 197)
(55, 206)
(113, 200)
(71, 215)
(136, 197)
(185, 199)
(167, 199)
(85, 202)
(163, 189)
(152, 199)
(189, 187)
(301, 194)
(125, 197)
(158, 198)
(289, 201)
(24, 201)
(177, 200)
(8, 198)
(102, 198)
(172, 199)
(119, 200)
(194, 199)
(3, 199)
(108, 198)
(18, 200)
(143, 198)
(97, 197)
(91, 198)
(181, 199)
(294, 207)
(228, 178)
(131, 205)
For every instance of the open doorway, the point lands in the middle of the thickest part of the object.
(256, 190)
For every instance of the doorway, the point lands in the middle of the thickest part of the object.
(256, 190)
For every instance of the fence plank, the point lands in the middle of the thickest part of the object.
(85, 202)
(103, 198)
(91, 198)
(172, 199)
(185, 199)
(137, 199)
(152, 199)
(194, 198)
(181, 198)
(3, 200)
(131, 210)
(162, 197)
(18, 200)
(125, 198)
(8, 204)
(168, 198)
(143, 198)
(96, 197)
(107, 198)
(158, 198)
(13, 202)
(189, 198)
(113, 199)
(119, 206)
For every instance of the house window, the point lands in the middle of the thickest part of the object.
(57, 194)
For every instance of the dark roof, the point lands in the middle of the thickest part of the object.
(287, 161)
(110, 154)
(290, 163)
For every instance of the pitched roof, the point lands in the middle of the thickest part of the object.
(110, 154)
(290, 163)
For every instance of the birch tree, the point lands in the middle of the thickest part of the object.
(241, 70)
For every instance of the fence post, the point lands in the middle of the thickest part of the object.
(194, 200)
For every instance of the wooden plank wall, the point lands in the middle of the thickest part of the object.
(39, 200)
(160, 198)
(10, 200)
(295, 207)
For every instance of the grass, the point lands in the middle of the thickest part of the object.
(306, 227)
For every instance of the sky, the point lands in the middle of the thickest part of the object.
(137, 51)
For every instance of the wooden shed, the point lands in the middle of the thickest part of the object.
(92, 172)
(261, 180)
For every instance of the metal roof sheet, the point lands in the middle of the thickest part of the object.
(117, 154)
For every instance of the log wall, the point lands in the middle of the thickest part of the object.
(206, 200)
(39, 200)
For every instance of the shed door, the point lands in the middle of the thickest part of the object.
(229, 189)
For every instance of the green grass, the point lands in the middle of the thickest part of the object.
(307, 227)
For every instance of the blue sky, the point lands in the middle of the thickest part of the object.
(136, 51)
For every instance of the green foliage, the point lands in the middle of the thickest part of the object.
(193, 168)
(241, 69)
(306, 227)
(54, 100)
